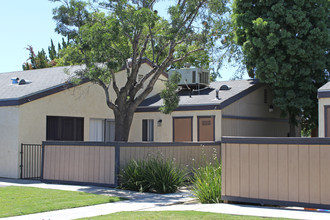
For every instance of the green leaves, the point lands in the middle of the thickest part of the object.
(285, 44)
(169, 95)
(154, 174)
(112, 35)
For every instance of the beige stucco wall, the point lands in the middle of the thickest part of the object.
(252, 105)
(87, 101)
(27, 123)
(144, 69)
(258, 121)
(322, 103)
(9, 144)
(164, 133)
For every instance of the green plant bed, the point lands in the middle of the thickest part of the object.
(145, 215)
(16, 200)
(155, 174)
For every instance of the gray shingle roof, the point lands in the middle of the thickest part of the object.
(207, 97)
(325, 87)
(40, 80)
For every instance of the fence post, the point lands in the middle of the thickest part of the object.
(42, 161)
(21, 165)
(117, 162)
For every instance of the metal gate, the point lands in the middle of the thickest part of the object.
(31, 161)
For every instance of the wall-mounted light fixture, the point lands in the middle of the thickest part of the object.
(159, 122)
(271, 108)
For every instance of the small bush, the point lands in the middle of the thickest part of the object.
(155, 174)
(133, 177)
(207, 182)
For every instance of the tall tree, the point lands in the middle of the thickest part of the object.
(41, 60)
(52, 50)
(122, 33)
(286, 45)
(38, 61)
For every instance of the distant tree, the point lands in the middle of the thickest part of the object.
(38, 61)
(130, 32)
(286, 45)
(52, 50)
(41, 60)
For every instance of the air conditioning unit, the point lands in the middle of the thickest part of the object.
(193, 77)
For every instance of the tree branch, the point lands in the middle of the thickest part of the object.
(187, 54)
(114, 83)
(107, 96)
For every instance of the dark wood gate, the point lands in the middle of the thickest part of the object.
(30, 161)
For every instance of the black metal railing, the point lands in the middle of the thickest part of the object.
(31, 161)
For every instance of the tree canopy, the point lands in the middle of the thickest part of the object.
(286, 45)
(121, 34)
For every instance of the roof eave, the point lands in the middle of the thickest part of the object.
(40, 94)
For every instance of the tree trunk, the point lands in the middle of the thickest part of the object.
(123, 123)
(292, 130)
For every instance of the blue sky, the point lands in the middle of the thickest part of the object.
(29, 22)
(22, 23)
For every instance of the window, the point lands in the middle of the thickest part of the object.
(109, 130)
(147, 130)
(182, 129)
(194, 76)
(64, 128)
(102, 130)
(96, 130)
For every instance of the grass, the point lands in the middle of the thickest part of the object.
(170, 215)
(27, 200)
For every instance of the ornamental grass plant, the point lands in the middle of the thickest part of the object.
(154, 174)
(206, 181)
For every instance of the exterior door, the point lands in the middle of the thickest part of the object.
(205, 128)
(182, 129)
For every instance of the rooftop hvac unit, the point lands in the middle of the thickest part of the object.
(193, 77)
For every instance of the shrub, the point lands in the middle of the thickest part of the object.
(207, 182)
(155, 174)
(133, 177)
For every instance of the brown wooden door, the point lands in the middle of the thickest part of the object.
(205, 128)
(182, 129)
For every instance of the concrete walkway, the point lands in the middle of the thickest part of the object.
(152, 202)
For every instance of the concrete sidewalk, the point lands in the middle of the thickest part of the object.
(152, 202)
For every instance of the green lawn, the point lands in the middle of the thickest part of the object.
(170, 215)
(27, 200)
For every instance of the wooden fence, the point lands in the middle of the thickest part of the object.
(277, 171)
(99, 163)
(79, 163)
